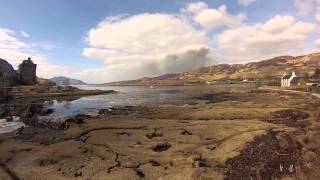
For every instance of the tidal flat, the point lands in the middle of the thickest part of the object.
(233, 134)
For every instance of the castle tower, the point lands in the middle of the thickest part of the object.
(27, 72)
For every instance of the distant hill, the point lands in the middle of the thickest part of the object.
(61, 80)
(266, 70)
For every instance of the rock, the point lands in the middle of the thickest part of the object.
(64, 122)
(13, 118)
(46, 162)
(78, 173)
(3, 109)
(140, 173)
(78, 119)
(154, 134)
(20, 130)
(154, 162)
(185, 132)
(45, 111)
(161, 147)
(31, 110)
(8, 76)
(31, 121)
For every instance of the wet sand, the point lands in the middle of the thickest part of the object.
(257, 134)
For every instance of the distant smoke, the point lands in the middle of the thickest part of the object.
(173, 63)
(186, 61)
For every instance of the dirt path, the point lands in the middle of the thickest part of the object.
(293, 91)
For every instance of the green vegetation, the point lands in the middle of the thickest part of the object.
(49, 91)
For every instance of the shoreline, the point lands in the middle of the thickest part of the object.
(197, 141)
(28, 106)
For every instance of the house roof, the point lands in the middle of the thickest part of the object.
(286, 76)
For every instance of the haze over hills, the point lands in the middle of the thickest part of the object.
(266, 70)
(61, 80)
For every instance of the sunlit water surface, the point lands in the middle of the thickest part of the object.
(124, 96)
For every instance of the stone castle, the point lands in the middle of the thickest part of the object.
(27, 73)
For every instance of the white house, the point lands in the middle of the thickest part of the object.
(288, 80)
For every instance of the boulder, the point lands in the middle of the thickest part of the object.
(78, 119)
(8, 76)
(63, 122)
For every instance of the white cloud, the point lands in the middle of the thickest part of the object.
(24, 34)
(153, 44)
(145, 34)
(318, 44)
(278, 36)
(195, 7)
(144, 45)
(136, 68)
(317, 17)
(8, 41)
(245, 2)
(14, 51)
(307, 6)
(213, 18)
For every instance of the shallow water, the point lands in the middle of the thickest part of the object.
(125, 96)
(9, 126)
(132, 96)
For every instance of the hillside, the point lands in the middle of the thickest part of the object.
(61, 80)
(266, 70)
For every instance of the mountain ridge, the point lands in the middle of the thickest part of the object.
(62, 80)
(265, 70)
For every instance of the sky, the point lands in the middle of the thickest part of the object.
(102, 41)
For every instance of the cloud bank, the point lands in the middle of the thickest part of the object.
(210, 18)
(14, 51)
(153, 44)
(307, 6)
(280, 35)
(145, 45)
(172, 63)
(318, 44)
(24, 34)
(245, 2)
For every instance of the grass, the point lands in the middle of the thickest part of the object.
(47, 91)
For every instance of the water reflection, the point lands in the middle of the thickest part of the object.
(129, 96)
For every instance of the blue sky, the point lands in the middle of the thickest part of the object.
(64, 36)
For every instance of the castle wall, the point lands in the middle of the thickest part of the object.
(27, 73)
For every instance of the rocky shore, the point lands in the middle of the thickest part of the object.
(256, 134)
(27, 103)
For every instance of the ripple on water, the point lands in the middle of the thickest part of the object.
(9, 126)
